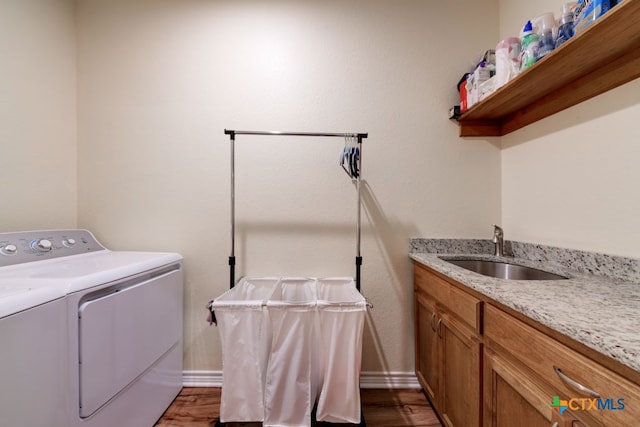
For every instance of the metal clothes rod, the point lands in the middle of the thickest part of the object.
(330, 134)
(358, 136)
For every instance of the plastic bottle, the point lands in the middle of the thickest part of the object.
(507, 60)
(530, 46)
(565, 32)
(545, 26)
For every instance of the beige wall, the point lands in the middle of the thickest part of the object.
(37, 115)
(160, 80)
(571, 180)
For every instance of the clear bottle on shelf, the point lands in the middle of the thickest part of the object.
(565, 31)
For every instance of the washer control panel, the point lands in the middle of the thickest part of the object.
(27, 246)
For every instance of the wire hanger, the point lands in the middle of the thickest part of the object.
(350, 156)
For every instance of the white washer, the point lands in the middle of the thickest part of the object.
(121, 332)
(33, 362)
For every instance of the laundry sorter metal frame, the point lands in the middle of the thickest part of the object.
(358, 138)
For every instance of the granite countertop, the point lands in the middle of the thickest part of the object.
(598, 311)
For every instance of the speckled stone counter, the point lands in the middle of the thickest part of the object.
(600, 311)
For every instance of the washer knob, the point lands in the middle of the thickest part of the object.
(42, 245)
(69, 242)
(9, 249)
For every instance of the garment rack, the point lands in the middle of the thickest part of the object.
(232, 135)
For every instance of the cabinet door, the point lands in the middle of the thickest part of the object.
(514, 398)
(460, 386)
(427, 347)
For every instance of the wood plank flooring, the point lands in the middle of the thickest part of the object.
(199, 407)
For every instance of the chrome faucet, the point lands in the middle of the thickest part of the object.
(498, 240)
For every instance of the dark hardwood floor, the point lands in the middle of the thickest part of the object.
(198, 407)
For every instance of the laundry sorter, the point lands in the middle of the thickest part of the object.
(292, 346)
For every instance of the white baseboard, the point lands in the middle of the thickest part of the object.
(369, 379)
(390, 380)
(202, 378)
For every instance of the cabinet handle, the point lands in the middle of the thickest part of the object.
(433, 318)
(440, 327)
(576, 385)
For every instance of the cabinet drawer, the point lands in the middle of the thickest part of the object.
(515, 397)
(454, 300)
(542, 354)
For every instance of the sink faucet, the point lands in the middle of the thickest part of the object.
(498, 240)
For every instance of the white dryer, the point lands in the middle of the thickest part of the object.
(122, 327)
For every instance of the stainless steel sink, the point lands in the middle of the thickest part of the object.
(504, 270)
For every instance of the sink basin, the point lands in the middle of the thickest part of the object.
(504, 270)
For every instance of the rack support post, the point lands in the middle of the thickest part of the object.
(358, 265)
(232, 271)
(232, 257)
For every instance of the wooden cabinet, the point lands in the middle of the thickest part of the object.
(480, 365)
(448, 349)
(604, 56)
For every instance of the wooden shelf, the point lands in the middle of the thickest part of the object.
(604, 56)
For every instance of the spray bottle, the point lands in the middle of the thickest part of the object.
(565, 32)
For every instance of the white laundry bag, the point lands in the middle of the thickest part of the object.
(288, 344)
(246, 339)
(341, 310)
(292, 378)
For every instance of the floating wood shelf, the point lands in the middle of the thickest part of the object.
(604, 56)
